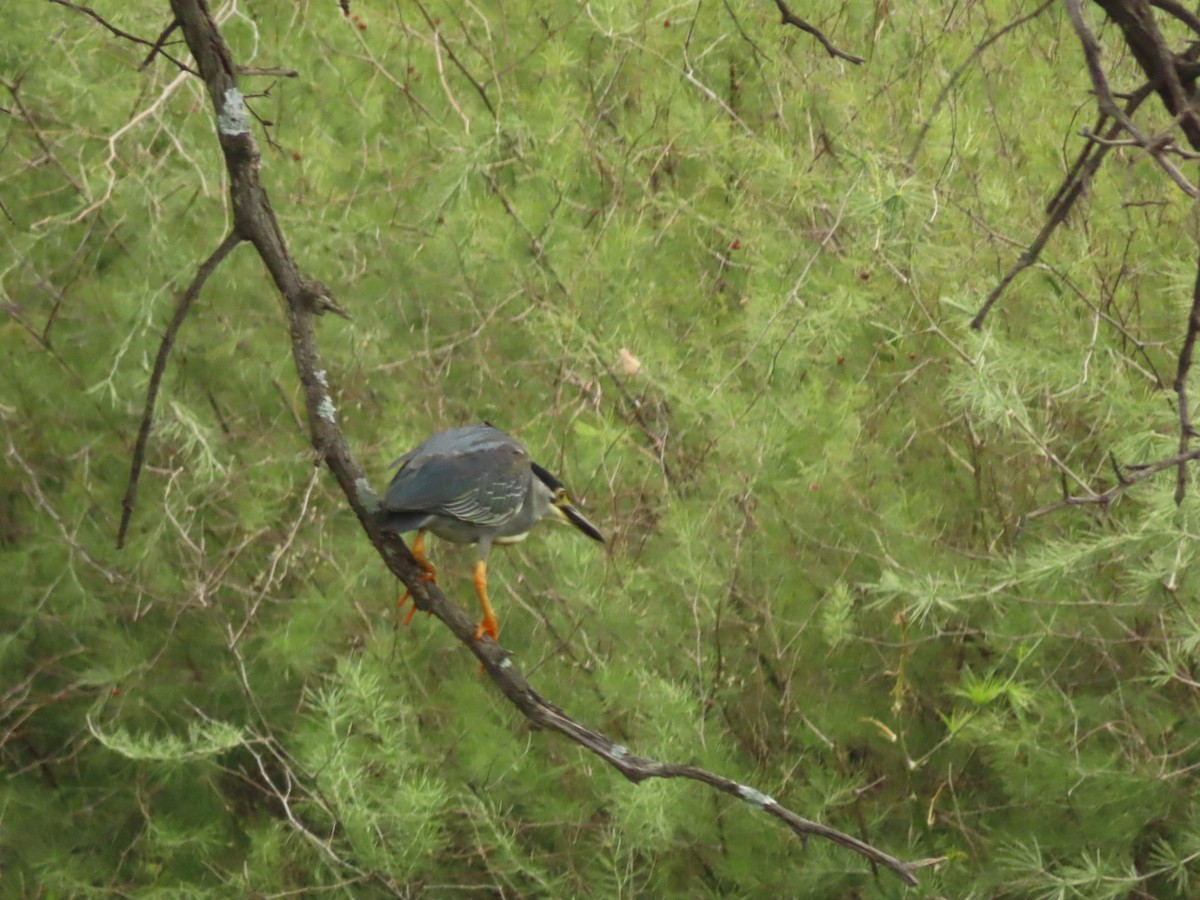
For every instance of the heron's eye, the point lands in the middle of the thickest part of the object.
(560, 496)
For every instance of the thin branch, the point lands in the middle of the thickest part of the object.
(439, 40)
(42, 503)
(640, 768)
(1072, 188)
(1086, 164)
(160, 366)
(1162, 144)
(1126, 479)
(790, 18)
(14, 89)
(268, 71)
(153, 45)
(256, 223)
(961, 70)
(1186, 430)
(1147, 45)
(158, 44)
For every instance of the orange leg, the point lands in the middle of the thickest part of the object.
(489, 625)
(429, 573)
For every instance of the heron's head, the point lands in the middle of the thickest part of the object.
(559, 506)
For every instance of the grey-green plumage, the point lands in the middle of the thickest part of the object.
(474, 485)
(459, 483)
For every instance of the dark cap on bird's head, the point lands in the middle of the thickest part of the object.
(563, 506)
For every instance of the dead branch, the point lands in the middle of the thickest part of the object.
(1186, 430)
(255, 222)
(155, 46)
(160, 366)
(1072, 188)
(790, 18)
(1127, 477)
(961, 70)
(1146, 43)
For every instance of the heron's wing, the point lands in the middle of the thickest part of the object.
(493, 491)
(475, 474)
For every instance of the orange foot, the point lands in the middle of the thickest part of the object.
(489, 626)
(429, 575)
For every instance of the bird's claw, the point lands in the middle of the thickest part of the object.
(489, 626)
(427, 576)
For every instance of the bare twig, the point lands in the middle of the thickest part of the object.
(155, 46)
(439, 40)
(160, 366)
(1076, 182)
(1163, 143)
(790, 18)
(1146, 43)
(158, 44)
(40, 500)
(255, 222)
(1186, 430)
(268, 71)
(966, 64)
(1126, 479)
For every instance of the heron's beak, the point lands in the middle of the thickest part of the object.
(572, 516)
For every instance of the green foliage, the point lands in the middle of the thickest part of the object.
(683, 255)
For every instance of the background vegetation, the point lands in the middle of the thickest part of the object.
(718, 280)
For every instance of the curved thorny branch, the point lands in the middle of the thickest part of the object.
(255, 223)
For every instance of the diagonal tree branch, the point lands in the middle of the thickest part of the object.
(158, 44)
(1096, 149)
(255, 222)
(790, 18)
